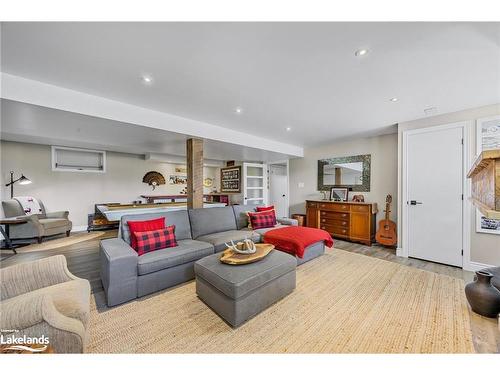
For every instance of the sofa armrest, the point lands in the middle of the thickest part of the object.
(27, 277)
(118, 271)
(36, 314)
(287, 221)
(57, 215)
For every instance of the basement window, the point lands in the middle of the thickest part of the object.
(67, 159)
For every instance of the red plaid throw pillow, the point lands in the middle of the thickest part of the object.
(266, 219)
(143, 226)
(155, 240)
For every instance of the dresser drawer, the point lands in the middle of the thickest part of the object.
(331, 215)
(336, 222)
(336, 230)
(331, 206)
(360, 208)
(312, 205)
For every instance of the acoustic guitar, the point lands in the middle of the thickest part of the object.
(386, 234)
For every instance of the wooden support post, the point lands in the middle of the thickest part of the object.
(338, 176)
(194, 148)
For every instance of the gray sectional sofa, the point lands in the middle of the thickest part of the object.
(199, 232)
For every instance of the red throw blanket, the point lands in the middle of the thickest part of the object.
(294, 240)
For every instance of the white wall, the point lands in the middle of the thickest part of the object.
(384, 157)
(485, 248)
(78, 192)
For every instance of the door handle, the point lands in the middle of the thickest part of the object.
(414, 203)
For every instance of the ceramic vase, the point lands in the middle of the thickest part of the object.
(483, 297)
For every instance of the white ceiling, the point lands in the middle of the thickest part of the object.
(299, 75)
(22, 122)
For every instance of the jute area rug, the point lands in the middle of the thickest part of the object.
(343, 303)
(59, 242)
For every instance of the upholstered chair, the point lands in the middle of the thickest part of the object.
(44, 298)
(38, 225)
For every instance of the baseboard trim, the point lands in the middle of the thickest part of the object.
(475, 266)
(399, 252)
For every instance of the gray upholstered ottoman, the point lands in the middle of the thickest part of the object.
(238, 293)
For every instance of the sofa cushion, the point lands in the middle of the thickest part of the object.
(154, 240)
(261, 231)
(186, 251)
(240, 213)
(237, 281)
(218, 240)
(211, 220)
(53, 223)
(178, 218)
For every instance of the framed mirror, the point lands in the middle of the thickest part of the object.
(352, 172)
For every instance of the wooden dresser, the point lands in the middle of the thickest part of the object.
(351, 221)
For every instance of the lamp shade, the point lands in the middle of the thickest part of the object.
(24, 180)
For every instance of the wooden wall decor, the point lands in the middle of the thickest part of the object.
(485, 175)
(153, 179)
(230, 179)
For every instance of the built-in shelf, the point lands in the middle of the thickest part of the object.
(67, 159)
(255, 188)
(485, 175)
(255, 199)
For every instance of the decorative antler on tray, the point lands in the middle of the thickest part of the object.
(245, 247)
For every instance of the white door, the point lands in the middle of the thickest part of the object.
(435, 194)
(278, 189)
(255, 184)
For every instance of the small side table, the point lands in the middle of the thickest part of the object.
(301, 218)
(7, 222)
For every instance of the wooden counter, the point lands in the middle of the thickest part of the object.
(353, 221)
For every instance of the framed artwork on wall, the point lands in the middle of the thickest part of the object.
(487, 138)
(177, 179)
(230, 179)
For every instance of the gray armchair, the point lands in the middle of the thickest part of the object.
(44, 298)
(38, 225)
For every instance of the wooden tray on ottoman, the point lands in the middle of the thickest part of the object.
(231, 257)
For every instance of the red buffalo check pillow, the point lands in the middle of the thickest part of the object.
(155, 240)
(266, 219)
(143, 226)
(263, 209)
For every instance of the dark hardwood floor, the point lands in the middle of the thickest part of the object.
(83, 261)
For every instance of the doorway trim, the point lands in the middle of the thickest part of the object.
(466, 188)
(281, 162)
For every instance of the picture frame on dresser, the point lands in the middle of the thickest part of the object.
(487, 138)
(339, 194)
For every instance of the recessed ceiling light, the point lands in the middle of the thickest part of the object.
(288, 128)
(394, 99)
(361, 52)
(239, 110)
(147, 79)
